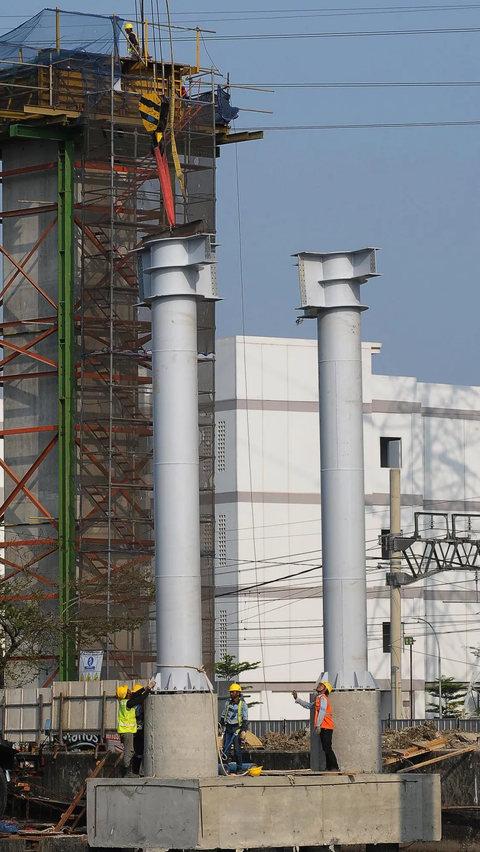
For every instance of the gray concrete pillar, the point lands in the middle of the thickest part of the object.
(180, 735)
(356, 735)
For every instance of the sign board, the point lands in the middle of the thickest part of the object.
(90, 665)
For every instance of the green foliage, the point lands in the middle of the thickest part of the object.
(31, 627)
(28, 635)
(228, 669)
(453, 695)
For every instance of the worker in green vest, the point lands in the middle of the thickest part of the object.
(127, 721)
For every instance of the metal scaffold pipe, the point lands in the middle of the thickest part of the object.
(330, 291)
(173, 269)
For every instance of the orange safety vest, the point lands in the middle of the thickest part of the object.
(328, 718)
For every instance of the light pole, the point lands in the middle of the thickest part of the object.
(419, 618)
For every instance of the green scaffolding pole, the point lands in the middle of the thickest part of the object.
(66, 391)
(66, 409)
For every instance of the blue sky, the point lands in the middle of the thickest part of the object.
(411, 191)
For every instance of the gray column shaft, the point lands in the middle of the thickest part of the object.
(343, 495)
(177, 526)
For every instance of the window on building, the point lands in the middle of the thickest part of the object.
(390, 452)
(386, 637)
(222, 633)
(222, 541)
(221, 446)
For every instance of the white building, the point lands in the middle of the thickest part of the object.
(269, 593)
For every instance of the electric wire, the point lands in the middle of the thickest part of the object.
(249, 448)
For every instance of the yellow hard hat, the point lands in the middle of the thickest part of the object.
(328, 686)
(122, 692)
(136, 687)
(255, 770)
(235, 687)
(129, 26)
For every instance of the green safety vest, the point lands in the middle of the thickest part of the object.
(239, 712)
(127, 720)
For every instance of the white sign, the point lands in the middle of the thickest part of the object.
(90, 666)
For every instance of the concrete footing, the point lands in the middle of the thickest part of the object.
(251, 813)
(180, 735)
(356, 736)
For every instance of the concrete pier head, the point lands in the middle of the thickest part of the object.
(247, 813)
(180, 735)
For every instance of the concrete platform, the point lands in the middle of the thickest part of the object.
(280, 811)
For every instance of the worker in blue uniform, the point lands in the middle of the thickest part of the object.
(234, 721)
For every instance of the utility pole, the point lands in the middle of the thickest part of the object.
(395, 597)
(409, 640)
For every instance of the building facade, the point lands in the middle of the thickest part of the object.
(268, 521)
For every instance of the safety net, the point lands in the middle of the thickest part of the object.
(76, 33)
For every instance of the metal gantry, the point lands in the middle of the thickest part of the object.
(452, 545)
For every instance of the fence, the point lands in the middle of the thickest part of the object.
(472, 725)
(278, 726)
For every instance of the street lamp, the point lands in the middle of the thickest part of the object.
(419, 618)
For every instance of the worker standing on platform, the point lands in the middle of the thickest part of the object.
(323, 721)
(127, 721)
(133, 44)
(234, 721)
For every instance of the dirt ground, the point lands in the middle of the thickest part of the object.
(300, 740)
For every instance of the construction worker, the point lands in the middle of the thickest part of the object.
(234, 721)
(139, 736)
(133, 44)
(323, 721)
(127, 721)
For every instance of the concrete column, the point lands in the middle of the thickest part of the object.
(180, 736)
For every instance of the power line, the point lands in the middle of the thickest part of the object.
(334, 35)
(367, 85)
(373, 126)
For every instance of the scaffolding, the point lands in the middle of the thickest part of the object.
(80, 192)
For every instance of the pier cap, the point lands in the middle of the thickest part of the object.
(318, 271)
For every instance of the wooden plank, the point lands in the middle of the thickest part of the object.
(75, 801)
(437, 759)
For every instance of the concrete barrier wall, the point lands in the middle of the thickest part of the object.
(72, 706)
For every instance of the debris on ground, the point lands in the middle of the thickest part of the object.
(408, 742)
(295, 741)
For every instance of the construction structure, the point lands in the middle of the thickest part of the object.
(81, 191)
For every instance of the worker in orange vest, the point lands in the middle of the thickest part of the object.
(323, 721)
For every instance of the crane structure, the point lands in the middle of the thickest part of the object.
(81, 191)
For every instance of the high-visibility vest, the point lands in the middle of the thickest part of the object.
(328, 718)
(127, 720)
(239, 712)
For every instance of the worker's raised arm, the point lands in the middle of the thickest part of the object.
(307, 704)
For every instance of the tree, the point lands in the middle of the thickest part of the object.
(28, 636)
(227, 669)
(453, 697)
(31, 626)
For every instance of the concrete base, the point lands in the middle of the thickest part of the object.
(269, 812)
(181, 735)
(356, 737)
